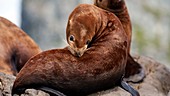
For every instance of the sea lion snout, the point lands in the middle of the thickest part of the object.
(77, 51)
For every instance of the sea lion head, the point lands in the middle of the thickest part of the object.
(81, 30)
(101, 3)
(110, 4)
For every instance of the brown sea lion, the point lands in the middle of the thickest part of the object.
(118, 7)
(100, 68)
(16, 47)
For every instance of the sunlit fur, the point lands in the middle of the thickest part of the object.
(16, 47)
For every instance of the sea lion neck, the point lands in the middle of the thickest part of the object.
(118, 7)
(102, 24)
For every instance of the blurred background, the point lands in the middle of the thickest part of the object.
(45, 21)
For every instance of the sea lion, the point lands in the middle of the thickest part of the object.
(118, 7)
(16, 47)
(100, 68)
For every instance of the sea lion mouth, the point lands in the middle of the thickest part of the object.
(78, 52)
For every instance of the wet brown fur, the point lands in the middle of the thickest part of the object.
(101, 67)
(16, 47)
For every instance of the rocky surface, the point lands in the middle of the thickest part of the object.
(6, 82)
(156, 83)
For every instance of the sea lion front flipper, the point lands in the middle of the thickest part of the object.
(134, 71)
(129, 89)
(51, 91)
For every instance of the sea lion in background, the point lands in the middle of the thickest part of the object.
(118, 7)
(100, 68)
(16, 47)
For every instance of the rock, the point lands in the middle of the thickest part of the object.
(33, 92)
(156, 83)
(6, 82)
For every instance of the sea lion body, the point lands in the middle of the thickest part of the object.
(16, 47)
(118, 7)
(101, 67)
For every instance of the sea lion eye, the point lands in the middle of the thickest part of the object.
(71, 38)
(88, 41)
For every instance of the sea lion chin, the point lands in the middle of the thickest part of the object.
(77, 51)
(100, 68)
